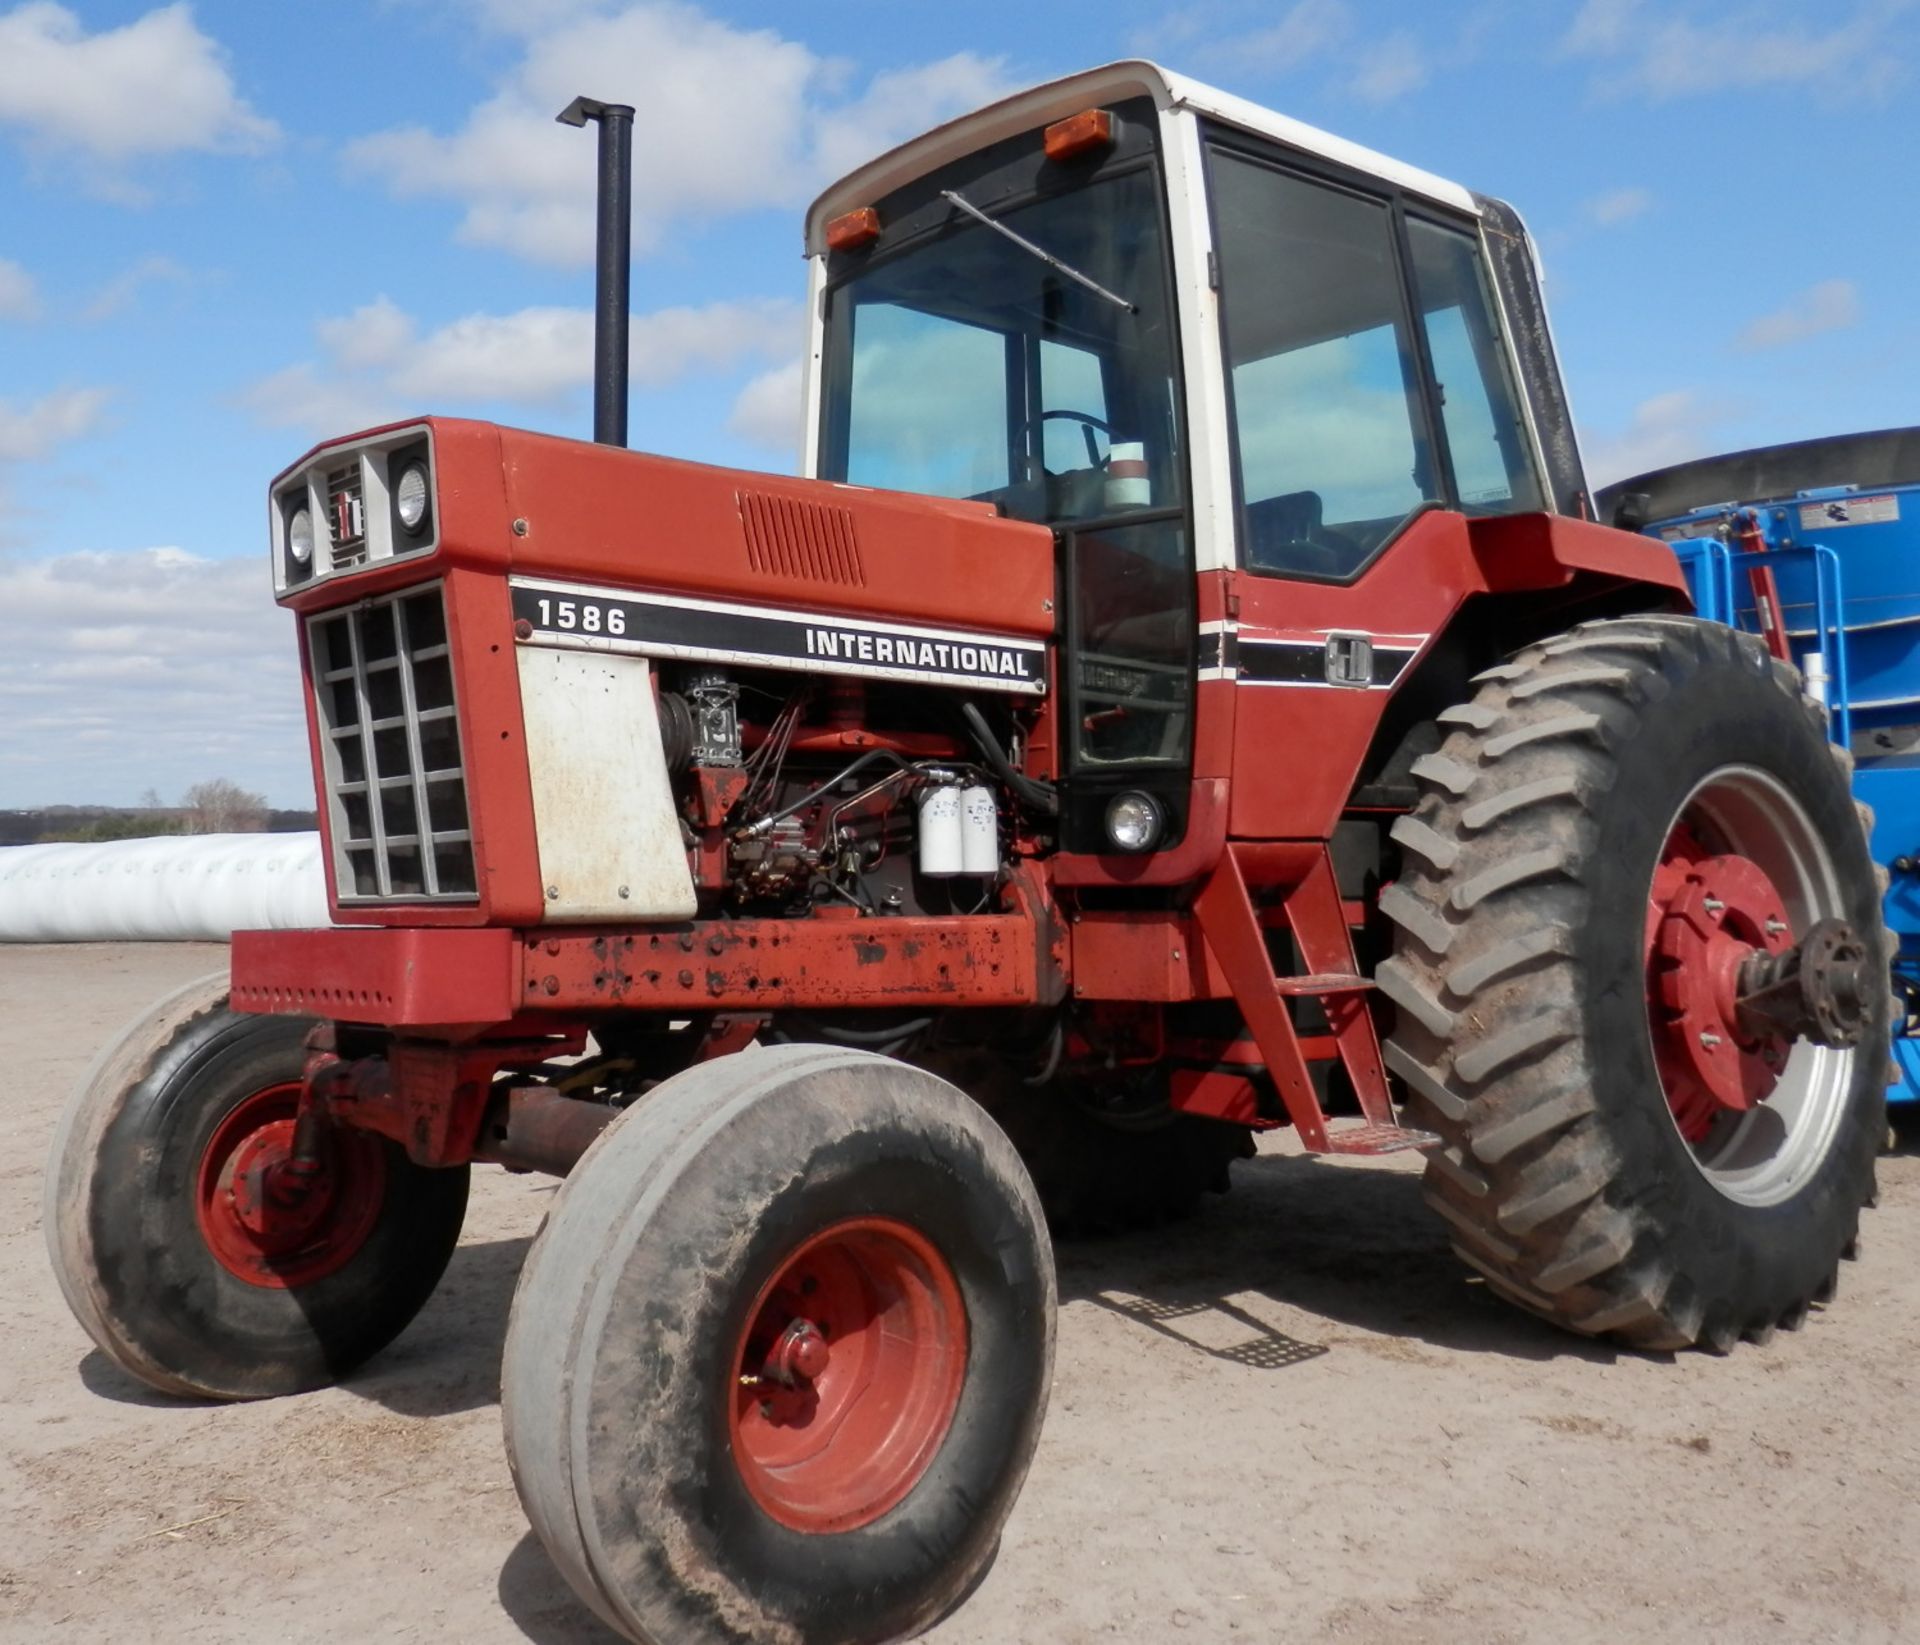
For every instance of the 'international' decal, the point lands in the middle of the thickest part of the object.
(582, 617)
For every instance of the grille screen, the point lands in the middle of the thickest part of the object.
(346, 516)
(383, 676)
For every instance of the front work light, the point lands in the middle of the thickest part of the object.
(1134, 822)
(300, 537)
(410, 496)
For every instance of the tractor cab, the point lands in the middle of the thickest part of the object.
(1192, 337)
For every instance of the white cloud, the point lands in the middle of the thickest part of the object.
(148, 668)
(304, 397)
(1238, 38)
(1660, 55)
(1618, 205)
(1674, 427)
(1305, 30)
(767, 410)
(1601, 26)
(727, 119)
(156, 85)
(1390, 68)
(536, 357)
(1832, 305)
(34, 429)
(377, 365)
(119, 293)
(897, 105)
(19, 296)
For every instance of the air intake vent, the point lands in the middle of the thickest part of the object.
(809, 541)
(396, 791)
(346, 516)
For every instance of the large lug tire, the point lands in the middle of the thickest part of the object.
(157, 1263)
(1537, 1029)
(1100, 1172)
(778, 1361)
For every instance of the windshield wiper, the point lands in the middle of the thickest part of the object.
(1046, 257)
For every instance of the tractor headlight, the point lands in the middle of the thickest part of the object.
(300, 536)
(410, 496)
(1135, 822)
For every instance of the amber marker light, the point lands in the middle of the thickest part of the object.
(1089, 129)
(854, 229)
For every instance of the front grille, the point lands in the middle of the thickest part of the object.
(390, 736)
(346, 516)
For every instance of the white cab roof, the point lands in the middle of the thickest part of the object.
(1059, 98)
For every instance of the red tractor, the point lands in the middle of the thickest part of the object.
(1186, 695)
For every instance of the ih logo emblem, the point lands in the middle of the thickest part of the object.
(1349, 660)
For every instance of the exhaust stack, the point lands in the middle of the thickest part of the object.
(613, 257)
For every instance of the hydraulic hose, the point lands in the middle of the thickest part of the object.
(1036, 796)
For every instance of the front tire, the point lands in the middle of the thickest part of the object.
(779, 1359)
(1588, 1168)
(179, 1285)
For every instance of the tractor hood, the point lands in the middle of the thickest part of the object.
(508, 501)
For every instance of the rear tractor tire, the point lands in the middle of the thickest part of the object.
(1620, 825)
(778, 1361)
(186, 1259)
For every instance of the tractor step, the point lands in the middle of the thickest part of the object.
(1295, 879)
(1325, 982)
(1377, 1139)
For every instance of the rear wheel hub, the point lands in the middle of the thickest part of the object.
(1729, 990)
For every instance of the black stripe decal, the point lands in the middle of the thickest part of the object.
(1390, 664)
(1304, 662)
(593, 619)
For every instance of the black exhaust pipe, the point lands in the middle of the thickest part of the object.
(613, 259)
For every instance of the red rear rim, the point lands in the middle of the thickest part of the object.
(847, 1376)
(1707, 914)
(271, 1220)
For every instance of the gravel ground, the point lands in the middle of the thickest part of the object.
(1293, 1418)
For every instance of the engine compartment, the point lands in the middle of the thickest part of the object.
(803, 794)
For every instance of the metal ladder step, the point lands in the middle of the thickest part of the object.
(1324, 982)
(1367, 1138)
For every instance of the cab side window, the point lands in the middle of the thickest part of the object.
(1329, 429)
(1493, 472)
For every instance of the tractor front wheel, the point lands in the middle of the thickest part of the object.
(196, 1250)
(1640, 984)
(778, 1361)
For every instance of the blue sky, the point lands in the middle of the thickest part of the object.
(229, 228)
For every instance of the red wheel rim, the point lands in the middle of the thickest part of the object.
(267, 1220)
(1708, 912)
(847, 1376)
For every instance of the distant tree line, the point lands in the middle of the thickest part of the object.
(216, 806)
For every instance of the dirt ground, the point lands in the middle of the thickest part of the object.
(1293, 1418)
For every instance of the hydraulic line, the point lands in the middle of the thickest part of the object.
(1038, 796)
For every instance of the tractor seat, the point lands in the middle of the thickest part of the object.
(1284, 534)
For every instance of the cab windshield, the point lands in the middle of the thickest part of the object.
(965, 365)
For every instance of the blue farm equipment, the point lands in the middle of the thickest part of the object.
(1815, 546)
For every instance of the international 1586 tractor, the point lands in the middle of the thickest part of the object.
(1186, 695)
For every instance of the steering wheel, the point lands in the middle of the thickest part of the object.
(1088, 423)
